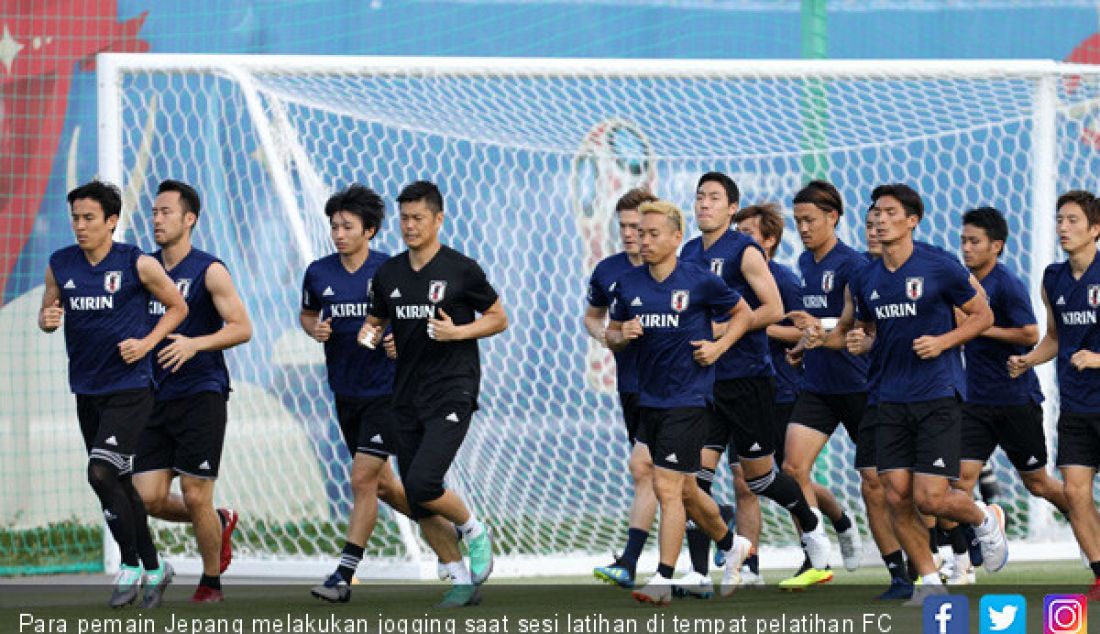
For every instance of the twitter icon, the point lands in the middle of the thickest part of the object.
(1003, 614)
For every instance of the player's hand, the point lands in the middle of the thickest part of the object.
(706, 352)
(133, 350)
(802, 319)
(794, 355)
(856, 340)
(369, 335)
(632, 329)
(50, 317)
(180, 351)
(814, 336)
(322, 330)
(1085, 360)
(443, 329)
(928, 346)
(1017, 365)
(390, 346)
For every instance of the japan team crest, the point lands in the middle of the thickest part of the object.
(716, 266)
(112, 281)
(827, 281)
(436, 290)
(1094, 295)
(679, 301)
(184, 287)
(914, 288)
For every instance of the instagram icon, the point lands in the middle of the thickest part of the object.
(1065, 614)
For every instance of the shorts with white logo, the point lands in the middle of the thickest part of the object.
(429, 437)
(632, 415)
(868, 434)
(1079, 440)
(923, 437)
(825, 412)
(1018, 429)
(743, 419)
(674, 436)
(185, 435)
(112, 425)
(368, 425)
(782, 414)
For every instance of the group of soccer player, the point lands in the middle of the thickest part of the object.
(145, 335)
(720, 348)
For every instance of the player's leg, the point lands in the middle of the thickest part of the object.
(1021, 435)
(873, 490)
(1078, 458)
(153, 471)
(717, 437)
(812, 422)
(668, 485)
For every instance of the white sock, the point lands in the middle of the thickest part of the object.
(931, 579)
(472, 528)
(460, 574)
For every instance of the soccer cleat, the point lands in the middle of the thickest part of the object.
(816, 544)
(616, 574)
(1093, 593)
(735, 558)
(156, 582)
(851, 547)
(205, 594)
(441, 570)
(229, 519)
(480, 549)
(460, 595)
(946, 563)
(127, 586)
(805, 579)
(693, 585)
(922, 591)
(729, 516)
(959, 573)
(973, 546)
(899, 589)
(656, 591)
(993, 542)
(750, 578)
(333, 590)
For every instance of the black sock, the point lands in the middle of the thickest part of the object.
(1095, 565)
(726, 542)
(958, 539)
(349, 561)
(842, 524)
(806, 565)
(783, 490)
(698, 548)
(665, 570)
(895, 565)
(146, 548)
(705, 479)
(103, 477)
(911, 568)
(635, 542)
(753, 562)
(214, 583)
(934, 539)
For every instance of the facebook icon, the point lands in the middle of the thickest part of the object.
(947, 614)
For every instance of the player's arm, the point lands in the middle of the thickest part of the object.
(161, 287)
(786, 334)
(594, 319)
(979, 317)
(740, 321)
(494, 320)
(814, 334)
(621, 333)
(1045, 351)
(759, 277)
(1027, 335)
(51, 312)
(236, 330)
(370, 333)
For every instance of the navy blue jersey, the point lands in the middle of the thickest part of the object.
(600, 287)
(823, 285)
(1075, 304)
(335, 293)
(104, 305)
(749, 356)
(916, 300)
(788, 379)
(987, 380)
(673, 313)
(205, 372)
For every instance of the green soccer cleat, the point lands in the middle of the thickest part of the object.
(127, 586)
(156, 582)
(480, 549)
(617, 574)
(460, 595)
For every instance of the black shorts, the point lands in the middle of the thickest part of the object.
(782, 416)
(1079, 440)
(674, 437)
(923, 437)
(868, 432)
(632, 414)
(368, 425)
(112, 425)
(1018, 429)
(185, 435)
(825, 412)
(429, 437)
(743, 420)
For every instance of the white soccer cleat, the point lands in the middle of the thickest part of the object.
(817, 544)
(992, 540)
(851, 547)
(923, 591)
(656, 591)
(946, 562)
(750, 579)
(960, 571)
(441, 570)
(735, 558)
(693, 585)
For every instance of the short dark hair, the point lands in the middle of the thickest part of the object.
(733, 195)
(770, 220)
(1085, 200)
(908, 197)
(361, 201)
(821, 194)
(107, 195)
(422, 190)
(634, 199)
(189, 198)
(990, 220)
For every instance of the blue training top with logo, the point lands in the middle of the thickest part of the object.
(917, 299)
(205, 372)
(600, 287)
(749, 356)
(788, 379)
(104, 305)
(823, 285)
(987, 379)
(331, 290)
(673, 313)
(1075, 303)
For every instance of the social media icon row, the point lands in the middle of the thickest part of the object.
(1005, 614)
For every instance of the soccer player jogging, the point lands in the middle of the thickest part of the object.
(187, 430)
(600, 288)
(908, 298)
(1071, 294)
(744, 387)
(430, 295)
(666, 311)
(100, 289)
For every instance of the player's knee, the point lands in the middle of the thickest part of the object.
(1036, 486)
(928, 501)
(1078, 493)
(102, 477)
(668, 489)
(197, 496)
(640, 469)
(872, 490)
(795, 470)
(363, 482)
(899, 498)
